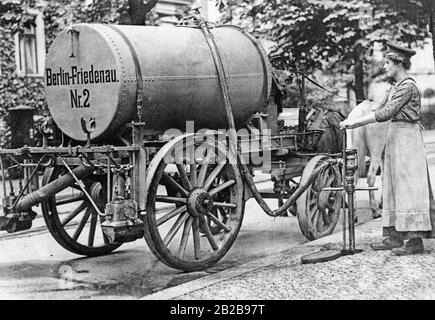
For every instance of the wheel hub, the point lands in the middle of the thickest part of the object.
(199, 202)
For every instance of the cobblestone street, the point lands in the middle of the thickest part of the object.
(370, 275)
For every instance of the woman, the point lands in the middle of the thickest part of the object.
(407, 196)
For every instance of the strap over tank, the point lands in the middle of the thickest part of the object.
(264, 59)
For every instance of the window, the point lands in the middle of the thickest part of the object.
(30, 49)
(28, 53)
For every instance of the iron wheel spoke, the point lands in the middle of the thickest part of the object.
(82, 224)
(204, 167)
(196, 239)
(223, 212)
(208, 234)
(182, 172)
(185, 237)
(213, 175)
(174, 184)
(171, 214)
(218, 222)
(193, 178)
(221, 187)
(73, 214)
(92, 228)
(177, 225)
(167, 199)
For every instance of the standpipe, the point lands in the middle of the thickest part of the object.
(233, 136)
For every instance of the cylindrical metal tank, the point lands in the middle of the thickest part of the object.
(92, 73)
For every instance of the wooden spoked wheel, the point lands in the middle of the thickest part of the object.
(195, 204)
(71, 218)
(220, 213)
(318, 211)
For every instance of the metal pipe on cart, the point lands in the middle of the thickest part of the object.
(349, 188)
(349, 167)
(343, 181)
(82, 186)
(108, 189)
(3, 177)
(51, 189)
(350, 204)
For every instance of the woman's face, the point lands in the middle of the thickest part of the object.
(390, 68)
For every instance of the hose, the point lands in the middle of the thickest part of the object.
(233, 137)
(291, 200)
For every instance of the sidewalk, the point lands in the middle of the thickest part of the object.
(367, 275)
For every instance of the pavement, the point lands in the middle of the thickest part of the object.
(369, 275)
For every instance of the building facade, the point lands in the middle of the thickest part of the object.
(22, 54)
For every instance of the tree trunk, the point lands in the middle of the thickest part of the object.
(358, 71)
(432, 26)
(137, 10)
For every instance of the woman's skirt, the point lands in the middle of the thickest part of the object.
(407, 195)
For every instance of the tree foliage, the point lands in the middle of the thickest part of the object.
(330, 35)
(17, 14)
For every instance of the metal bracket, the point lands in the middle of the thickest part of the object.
(82, 186)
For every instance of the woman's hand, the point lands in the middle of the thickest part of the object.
(348, 124)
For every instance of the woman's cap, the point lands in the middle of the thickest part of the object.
(399, 52)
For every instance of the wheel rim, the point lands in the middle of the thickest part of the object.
(196, 228)
(71, 218)
(318, 210)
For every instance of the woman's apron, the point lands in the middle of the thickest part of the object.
(406, 191)
(408, 202)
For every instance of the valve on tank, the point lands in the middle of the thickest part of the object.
(122, 223)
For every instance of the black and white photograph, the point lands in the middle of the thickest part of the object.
(217, 155)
